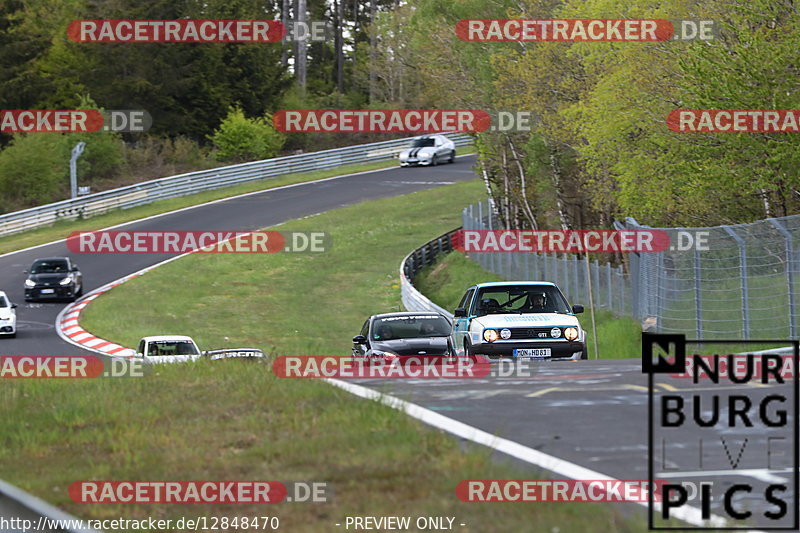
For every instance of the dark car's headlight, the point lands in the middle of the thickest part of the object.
(65, 281)
(29, 283)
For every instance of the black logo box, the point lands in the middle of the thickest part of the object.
(675, 346)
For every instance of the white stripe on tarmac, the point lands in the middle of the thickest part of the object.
(561, 467)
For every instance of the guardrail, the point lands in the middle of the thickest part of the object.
(203, 180)
(20, 511)
(425, 255)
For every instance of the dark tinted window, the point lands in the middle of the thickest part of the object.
(421, 143)
(50, 266)
(409, 327)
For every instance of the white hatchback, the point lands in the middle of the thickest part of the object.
(8, 316)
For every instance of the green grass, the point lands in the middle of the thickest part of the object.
(61, 229)
(446, 282)
(234, 420)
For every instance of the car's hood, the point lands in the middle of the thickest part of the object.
(48, 278)
(530, 320)
(417, 346)
(416, 152)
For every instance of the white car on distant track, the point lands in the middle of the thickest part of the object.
(8, 316)
(428, 150)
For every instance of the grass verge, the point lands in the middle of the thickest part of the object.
(446, 281)
(234, 420)
(60, 230)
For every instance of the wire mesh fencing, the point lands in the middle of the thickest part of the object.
(610, 286)
(736, 281)
(724, 282)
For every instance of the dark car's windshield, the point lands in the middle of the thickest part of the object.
(520, 299)
(52, 266)
(159, 348)
(409, 327)
(421, 143)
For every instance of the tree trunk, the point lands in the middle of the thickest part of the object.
(373, 45)
(285, 18)
(558, 181)
(300, 60)
(338, 6)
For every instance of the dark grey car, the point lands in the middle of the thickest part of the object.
(53, 278)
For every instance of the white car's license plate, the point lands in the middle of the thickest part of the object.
(48, 291)
(532, 352)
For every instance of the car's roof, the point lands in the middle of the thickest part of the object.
(406, 313)
(2, 293)
(167, 338)
(505, 283)
(52, 259)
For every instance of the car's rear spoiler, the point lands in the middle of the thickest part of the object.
(231, 353)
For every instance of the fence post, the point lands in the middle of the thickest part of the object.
(608, 283)
(789, 275)
(698, 304)
(743, 274)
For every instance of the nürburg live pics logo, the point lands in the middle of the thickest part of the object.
(722, 433)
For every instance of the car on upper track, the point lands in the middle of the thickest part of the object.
(53, 278)
(428, 150)
(519, 319)
(392, 336)
(8, 316)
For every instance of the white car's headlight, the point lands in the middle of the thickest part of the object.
(65, 281)
(571, 334)
(490, 335)
(30, 283)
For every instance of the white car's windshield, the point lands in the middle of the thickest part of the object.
(4, 302)
(520, 299)
(409, 327)
(164, 348)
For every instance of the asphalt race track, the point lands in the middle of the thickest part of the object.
(36, 321)
(592, 413)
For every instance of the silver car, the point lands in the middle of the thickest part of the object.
(429, 150)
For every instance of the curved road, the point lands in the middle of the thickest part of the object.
(36, 321)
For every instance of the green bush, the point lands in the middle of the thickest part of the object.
(240, 139)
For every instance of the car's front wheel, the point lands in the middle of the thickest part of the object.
(434, 161)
